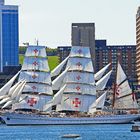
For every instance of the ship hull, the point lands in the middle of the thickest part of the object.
(32, 119)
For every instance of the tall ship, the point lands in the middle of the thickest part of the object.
(31, 101)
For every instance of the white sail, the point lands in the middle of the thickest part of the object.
(16, 91)
(82, 64)
(58, 69)
(75, 102)
(126, 102)
(5, 100)
(75, 88)
(58, 96)
(8, 98)
(38, 88)
(17, 99)
(4, 90)
(101, 101)
(32, 63)
(56, 99)
(124, 95)
(78, 51)
(79, 77)
(121, 76)
(123, 89)
(47, 106)
(101, 84)
(8, 104)
(58, 82)
(3, 96)
(38, 51)
(32, 102)
(101, 72)
(98, 104)
(13, 88)
(38, 77)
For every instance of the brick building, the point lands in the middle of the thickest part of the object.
(105, 54)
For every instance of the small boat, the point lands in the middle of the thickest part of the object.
(71, 136)
(135, 128)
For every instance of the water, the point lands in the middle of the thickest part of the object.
(87, 132)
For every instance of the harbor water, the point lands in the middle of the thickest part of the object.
(86, 132)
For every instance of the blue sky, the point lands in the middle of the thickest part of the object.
(50, 20)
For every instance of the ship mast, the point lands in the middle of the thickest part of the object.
(80, 91)
(115, 84)
(36, 72)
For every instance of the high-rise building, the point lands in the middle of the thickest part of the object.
(109, 54)
(83, 34)
(9, 40)
(138, 44)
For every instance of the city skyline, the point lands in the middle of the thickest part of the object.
(50, 21)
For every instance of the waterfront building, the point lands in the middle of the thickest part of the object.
(9, 39)
(138, 44)
(63, 52)
(126, 54)
(83, 34)
(8, 73)
(109, 54)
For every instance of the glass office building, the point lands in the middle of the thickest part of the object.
(9, 40)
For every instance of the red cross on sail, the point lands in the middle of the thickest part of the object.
(34, 76)
(78, 64)
(32, 101)
(76, 102)
(79, 51)
(78, 77)
(33, 87)
(118, 88)
(35, 63)
(78, 88)
(36, 51)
